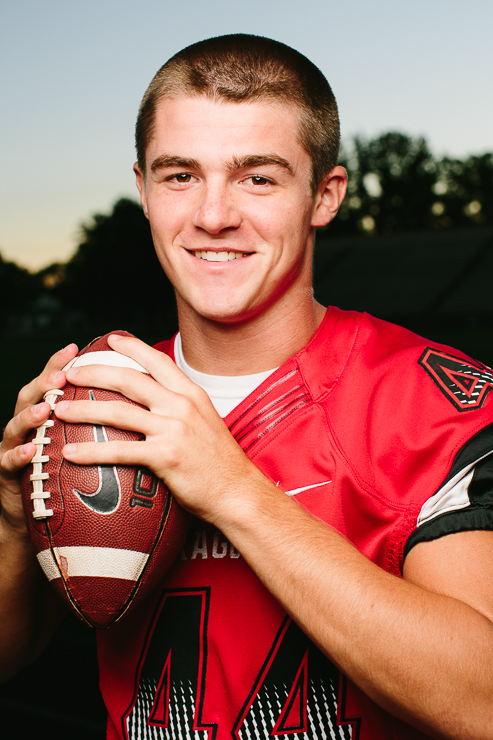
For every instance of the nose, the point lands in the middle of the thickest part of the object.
(216, 210)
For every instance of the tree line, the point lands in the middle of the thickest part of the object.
(114, 279)
(396, 185)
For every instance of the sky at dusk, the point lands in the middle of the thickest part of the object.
(73, 75)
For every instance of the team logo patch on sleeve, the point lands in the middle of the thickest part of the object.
(464, 384)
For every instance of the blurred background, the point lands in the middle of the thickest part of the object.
(413, 242)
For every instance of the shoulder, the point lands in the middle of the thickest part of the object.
(413, 421)
(358, 354)
(401, 407)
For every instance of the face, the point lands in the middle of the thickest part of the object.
(227, 193)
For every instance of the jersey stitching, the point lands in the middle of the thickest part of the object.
(275, 423)
(265, 408)
(289, 419)
(262, 395)
(272, 403)
(248, 430)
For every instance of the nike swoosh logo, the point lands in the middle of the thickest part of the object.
(106, 498)
(307, 488)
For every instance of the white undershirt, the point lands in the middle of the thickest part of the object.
(225, 391)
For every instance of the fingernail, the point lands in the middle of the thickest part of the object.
(55, 377)
(72, 371)
(36, 409)
(26, 449)
(63, 405)
(69, 449)
(115, 337)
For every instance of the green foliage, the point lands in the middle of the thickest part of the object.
(465, 189)
(18, 288)
(396, 185)
(114, 279)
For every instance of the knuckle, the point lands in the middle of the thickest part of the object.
(25, 394)
(10, 433)
(178, 429)
(7, 432)
(172, 455)
(8, 461)
(52, 380)
(199, 394)
(187, 406)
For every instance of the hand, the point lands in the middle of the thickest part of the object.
(30, 412)
(186, 444)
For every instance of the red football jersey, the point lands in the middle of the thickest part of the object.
(380, 434)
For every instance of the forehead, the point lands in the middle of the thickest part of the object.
(199, 126)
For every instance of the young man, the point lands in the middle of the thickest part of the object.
(352, 452)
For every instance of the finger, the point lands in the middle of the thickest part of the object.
(14, 460)
(117, 452)
(51, 377)
(159, 365)
(132, 384)
(116, 414)
(61, 358)
(139, 387)
(19, 427)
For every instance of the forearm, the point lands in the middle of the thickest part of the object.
(424, 657)
(29, 608)
(29, 611)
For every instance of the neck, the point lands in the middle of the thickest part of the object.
(253, 346)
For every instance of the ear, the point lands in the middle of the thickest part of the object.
(140, 181)
(329, 196)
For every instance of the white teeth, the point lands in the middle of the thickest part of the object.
(219, 256)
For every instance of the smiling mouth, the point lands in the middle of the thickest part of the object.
(219, 256)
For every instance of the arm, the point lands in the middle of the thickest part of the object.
(29, 608)
(423, 650)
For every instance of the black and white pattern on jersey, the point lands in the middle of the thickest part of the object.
(295, 696)
(464, 384)
(168, 699)
(145, 723)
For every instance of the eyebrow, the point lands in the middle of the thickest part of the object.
(165, 160)
(237, 163)
(259, 160)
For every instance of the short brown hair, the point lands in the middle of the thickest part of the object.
(239, 68)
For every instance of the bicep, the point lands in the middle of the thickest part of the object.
(459, 565)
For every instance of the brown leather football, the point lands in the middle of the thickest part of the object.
(105, 535)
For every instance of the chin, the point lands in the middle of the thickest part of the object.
(225, 314)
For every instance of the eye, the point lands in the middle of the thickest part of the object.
(259, 180)
(181, 177)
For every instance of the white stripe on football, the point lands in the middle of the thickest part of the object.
(99, 562)
(114, 359)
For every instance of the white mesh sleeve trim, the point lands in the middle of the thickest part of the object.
(453, 496)
(95, 562)
(105, 357)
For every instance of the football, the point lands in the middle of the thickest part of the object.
(104, 535)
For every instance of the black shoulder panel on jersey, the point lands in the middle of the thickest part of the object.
(478, 514)
(464, 384)
(478, 446)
